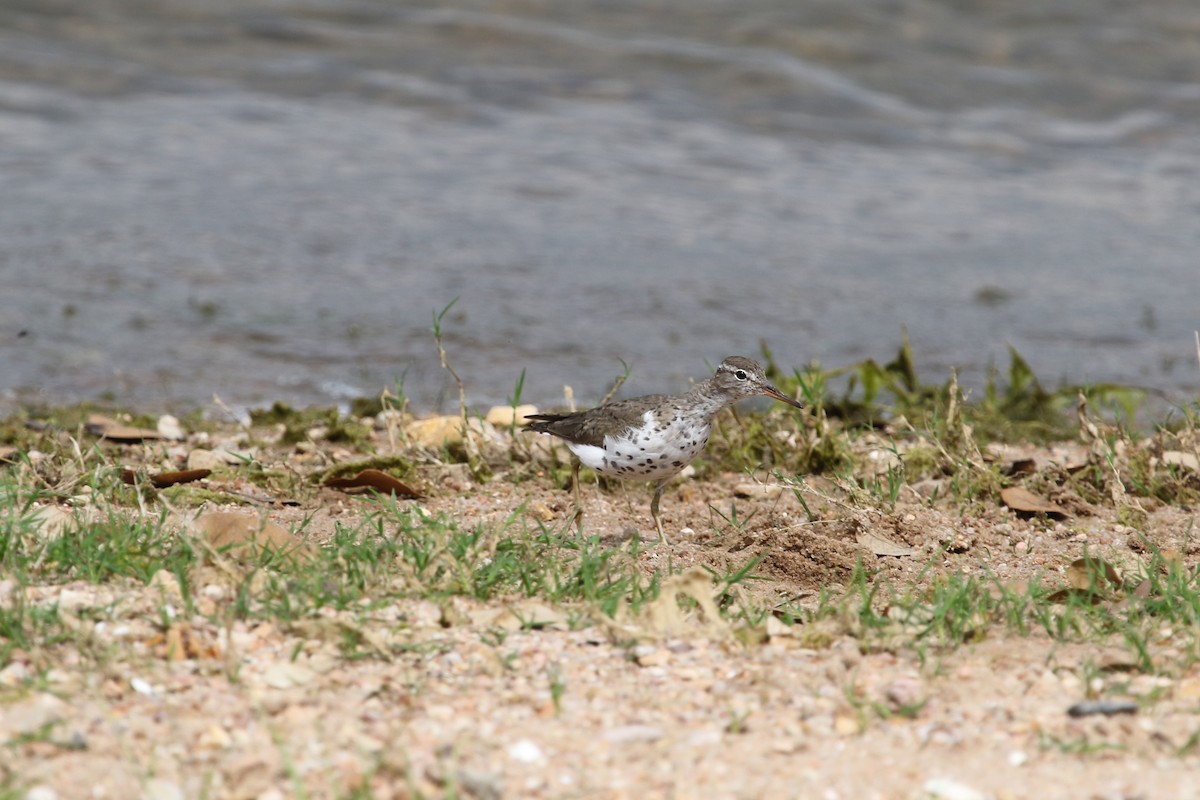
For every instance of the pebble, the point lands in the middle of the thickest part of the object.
(161, 789)
(15, 673)
(903, 693)
(525, 752)
(758, 491)
(249, 775)
(32, 714)
(632, 733)
(41, 793)
(436, 432)
(949, 789)
(480, 785)
(169, 428)
(286, 674)
(204, 459)
(648, 655)
(504, 416)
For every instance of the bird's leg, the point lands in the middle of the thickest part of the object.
(578, 500)
(658, 492)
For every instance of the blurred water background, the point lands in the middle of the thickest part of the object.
(268, 200)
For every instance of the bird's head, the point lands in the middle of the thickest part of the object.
(739, 377)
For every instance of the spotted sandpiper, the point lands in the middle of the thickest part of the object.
(652, 438)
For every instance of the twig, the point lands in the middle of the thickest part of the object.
(618, 383)
(437, 336)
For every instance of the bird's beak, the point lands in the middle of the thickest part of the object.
(771, 391)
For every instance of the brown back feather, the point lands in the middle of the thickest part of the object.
(592, 425)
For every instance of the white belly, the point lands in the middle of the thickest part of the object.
(653, 452)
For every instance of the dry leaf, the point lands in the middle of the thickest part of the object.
(882, 546)
(161, 480)
(374, 479)
(108, 428)
(1026, 502)
(1092, 574)
(1063, 595)
(6, 454)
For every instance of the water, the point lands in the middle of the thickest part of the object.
(270, 202)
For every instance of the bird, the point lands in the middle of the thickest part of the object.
(652, 438)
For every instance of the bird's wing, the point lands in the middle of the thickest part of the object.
(591, 426)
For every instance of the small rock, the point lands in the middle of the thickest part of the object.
(704, 737)
(169, 428)
(41, 793)
(435, 431)
(204, 459)
(1181, 459)
(758, 491)
(632, 733)
(14, 674)
(141, 686)
(1188, 688)
(75, 599)
(777, 627)
(846, 724)
(235, 457)
(480, 785)
(32, 714)
(525, 751)
(504, 416)
(903, 693)
(167, 584)
(249, 775)
(286, 674)
(647, 655)
(948, 789)
(929, 487)
(214, 737)
(161, 789)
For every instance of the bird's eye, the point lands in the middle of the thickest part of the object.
(740, 375)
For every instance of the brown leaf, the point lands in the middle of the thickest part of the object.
(6, 454)
(1093, 575)
(1063, 595)
(882, 546)
(374, 479)
(108, 428)
(1026, 502)
(161, 480)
